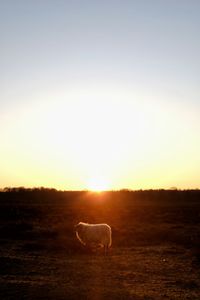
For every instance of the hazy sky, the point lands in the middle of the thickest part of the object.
(100, 94)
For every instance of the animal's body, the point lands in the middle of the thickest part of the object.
(98, 234)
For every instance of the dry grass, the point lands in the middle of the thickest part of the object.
(155, 252)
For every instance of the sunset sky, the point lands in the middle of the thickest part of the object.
(100, 94)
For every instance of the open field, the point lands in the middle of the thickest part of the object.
(155, 252)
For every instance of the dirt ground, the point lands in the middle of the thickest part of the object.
(137, 273)
(36, 263)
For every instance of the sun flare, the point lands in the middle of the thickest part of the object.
(97, 185)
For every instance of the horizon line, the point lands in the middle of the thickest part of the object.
(13, 188)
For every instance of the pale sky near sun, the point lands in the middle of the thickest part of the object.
(100, 94)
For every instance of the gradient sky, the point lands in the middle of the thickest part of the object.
(100, 94)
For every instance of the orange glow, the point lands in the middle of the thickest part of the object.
(97, 185)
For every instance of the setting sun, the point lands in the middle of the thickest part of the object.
(92, 104)
(97, 185)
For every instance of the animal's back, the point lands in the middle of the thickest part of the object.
(103, 234)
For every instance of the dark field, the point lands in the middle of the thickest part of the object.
(155, 252)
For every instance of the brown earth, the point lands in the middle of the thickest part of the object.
(155, 252)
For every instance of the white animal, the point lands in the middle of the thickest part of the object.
(99, 234)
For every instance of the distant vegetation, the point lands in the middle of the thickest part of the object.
(172, 194)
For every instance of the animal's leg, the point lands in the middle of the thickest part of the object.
(105, 250)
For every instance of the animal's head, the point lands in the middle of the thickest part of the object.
(79, 227)
(76, 226)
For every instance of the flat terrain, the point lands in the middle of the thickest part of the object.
(155, 252)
